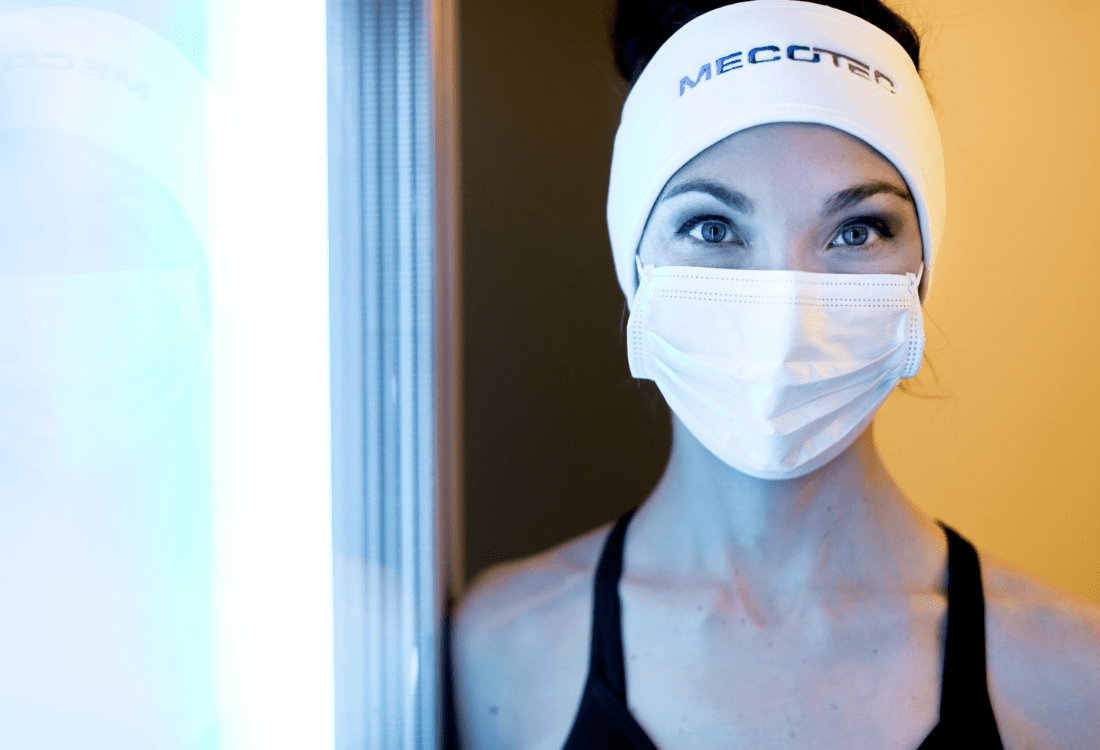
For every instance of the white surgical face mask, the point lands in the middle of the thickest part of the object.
(775, 372)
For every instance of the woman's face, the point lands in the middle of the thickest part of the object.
(786, 196)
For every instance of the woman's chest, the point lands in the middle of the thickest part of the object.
(830, 677)
(784, 702)
(700, 679)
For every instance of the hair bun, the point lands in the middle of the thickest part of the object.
(640, 27)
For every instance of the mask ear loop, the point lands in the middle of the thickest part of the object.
(643, 273)
(914, 282)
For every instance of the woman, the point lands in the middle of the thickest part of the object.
(776, 202)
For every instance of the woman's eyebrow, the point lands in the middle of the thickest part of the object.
(735, 200)
(837, 202)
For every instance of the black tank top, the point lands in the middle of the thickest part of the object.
(603, 721)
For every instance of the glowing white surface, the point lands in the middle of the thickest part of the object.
(271, 376)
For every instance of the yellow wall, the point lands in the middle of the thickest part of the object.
(1012, 458)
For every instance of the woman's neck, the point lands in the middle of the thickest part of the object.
(843, 530)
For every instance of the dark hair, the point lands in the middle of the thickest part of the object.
(640, 27)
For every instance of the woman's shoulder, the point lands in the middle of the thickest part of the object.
(518, 593)
(520, 642)
(1043, 648)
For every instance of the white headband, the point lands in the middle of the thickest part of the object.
(766, 61)
(115, 82)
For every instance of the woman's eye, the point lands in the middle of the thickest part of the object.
(710, 230)
(854, 235)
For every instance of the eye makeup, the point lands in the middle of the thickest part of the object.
(730, 235)
(874, 223)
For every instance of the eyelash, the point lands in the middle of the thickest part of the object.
(871, 222)
(687, 227)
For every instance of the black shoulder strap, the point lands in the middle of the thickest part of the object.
(607, 643)
(965, 707)
(964, 695)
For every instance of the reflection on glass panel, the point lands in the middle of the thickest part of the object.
(165, 506)
(107, 634)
